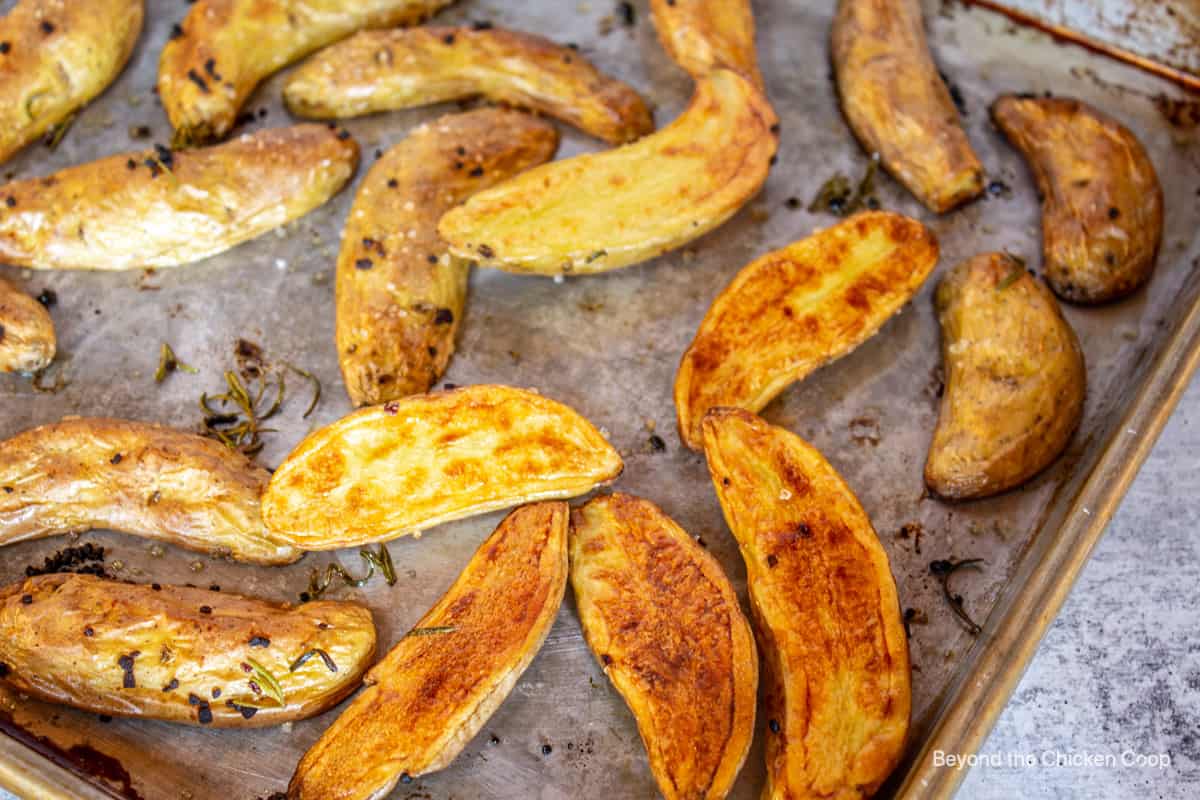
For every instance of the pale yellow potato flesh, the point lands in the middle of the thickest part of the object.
(27, 338)
(793, 311)
(704, 35)
(602, 211)
(408, 465)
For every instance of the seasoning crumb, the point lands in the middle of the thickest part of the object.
(27, 599)
(774, 726)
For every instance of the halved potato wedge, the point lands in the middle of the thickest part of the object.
(664, 623)
(163, 209)
(1015, 380)
(410, 464)
(433, 692)
(56, 57)
(704, 35)
(377, 71)
(601, 211)
(400, 295)
(133, 477)
(223, 48)
(180, 654)
(27, 339)
(897, 103)
(838, 692)
(1102, 212)
(797, 309)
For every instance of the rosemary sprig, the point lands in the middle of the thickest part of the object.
(316, 651)
(942, 570)
(1014, 273)
(56, 134)
(434, 630)
(316, 384)
(319, 581)
(266, 681)
(168, 362)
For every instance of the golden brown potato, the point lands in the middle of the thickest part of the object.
(163, 209)
(835, 656)
(407, 465)
(797, 309)
(1015, 380)
(897, 103)
(133, 477)
(704, 35)
(400, 295)
(663, 621)
(601, 211)
(1102, 213)
(55, 57)
(377, 71)
(27, 340)
(433, 692)
(224, 48)
(179, 654)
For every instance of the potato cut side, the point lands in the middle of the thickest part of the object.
(180, 654)
(835, 657)
(795, 310)
(27, 338)
(410, 464)
(602, 211)
(439, 685)
(377, 71)
(663, 621)
(1015, 380)
(703, 35)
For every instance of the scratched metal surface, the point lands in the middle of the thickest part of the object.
(608, 345)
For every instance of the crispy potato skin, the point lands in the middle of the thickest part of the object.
(109, 215)
(797, 309)
(410, 464)
(27, 340)
(377, 71)
(1102, 212)
(148, 480)
(60, 56)
(703, 35)
(835, 656)
(228, 46)
(597, 212)
(663, 621)
(177, 653)
(400, 294)
(897, 104)
(1015, 380)
(431, 694)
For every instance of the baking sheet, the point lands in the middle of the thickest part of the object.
(607, 345)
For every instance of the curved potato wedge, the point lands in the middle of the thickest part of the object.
(897, 103)
(85, 473)
(163, 209)
(180, 654)
(433, 692)
(797, 309)
(405, 466)
(27, 339)
(224, 48)
(377, 71)
(838, 692)
(704, 35)
(1015, 380)
(661, 618)
(599, 211)
(400, 295)
(1102, 213)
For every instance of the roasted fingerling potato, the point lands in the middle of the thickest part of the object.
(1102, 204)
(87, 473)
(1015, 380)
(27, 338)
(704, 35)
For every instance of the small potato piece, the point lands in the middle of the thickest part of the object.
(225, 47)
(601, 211)
(664, 623)
(400, 295)
(179, 654)
(410, 464)
(704, 35)
(377, 71)
(57, 57)
(837, 681)
(1102, 213)
(163, 209)
(134, 477)
(1015, 380)
(27, 340)
(433, 692)
(797, 309)
(897, 103)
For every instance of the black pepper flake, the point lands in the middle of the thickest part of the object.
(343, 134)
(7, 489)
(176, 31)
(458, 165)
(246, 711)
(47, 27)
(165, 156)
(774, 726)
(116, 459)
(216, 692)
(486, 251)
(205, 714)
(627, 14)
(462, 151)
(393, 183)
(5, 669)
(656, 443)
(405, 777)
(27, 599)
(494, 739)
(194, 700)
(547, 749)
(195, 78)
(88, 631)
(126, 664)
(205, 609)
(131, 164)
(793, 203)
(260, 641)
(431, 258)
(172, 686)
(363, 263)
(10, 201)
(772, 560)
(214, 587)
(477, 172)
(210, 66)
(448, 38)
(606, 658)
(482, 25)
(4, 48)
(105, 718)
(1114, 212)
(156, 587)
(444, 316)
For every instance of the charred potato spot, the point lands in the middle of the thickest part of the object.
(702, 36)
(27, 339)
